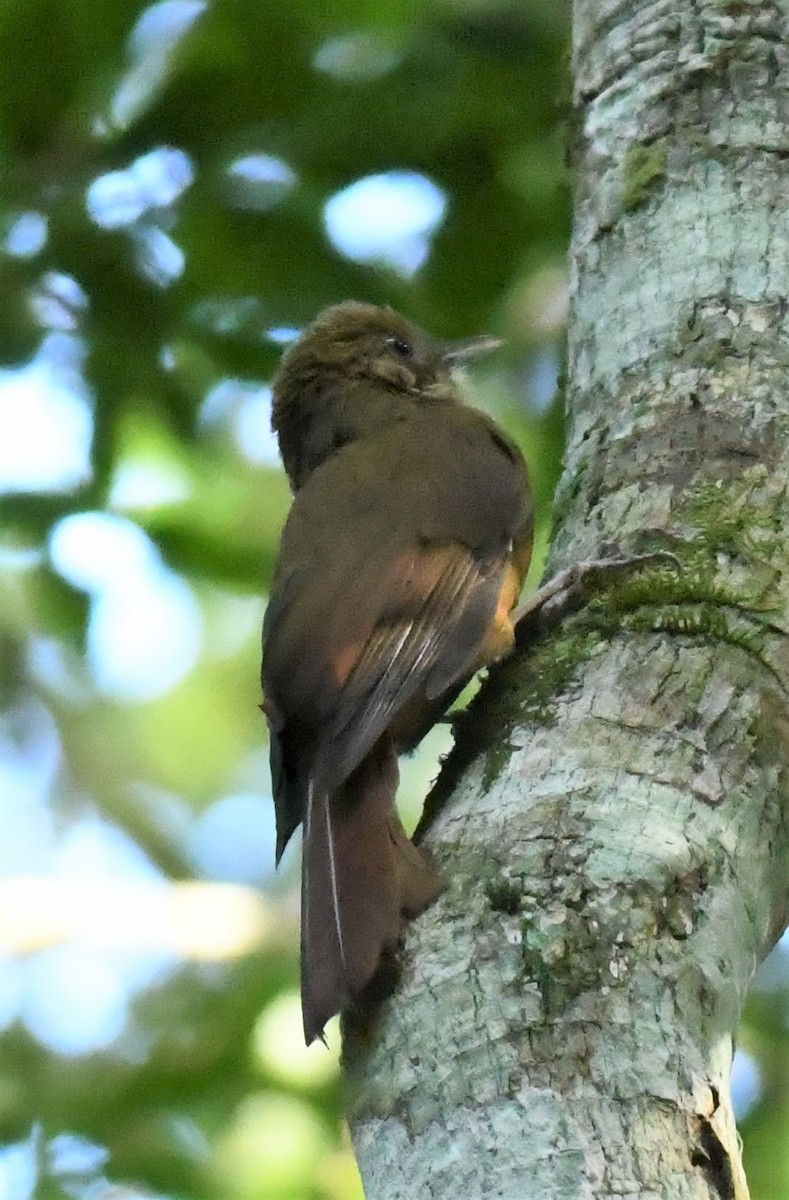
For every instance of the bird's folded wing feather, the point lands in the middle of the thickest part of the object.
(440, 601)
(412, 624)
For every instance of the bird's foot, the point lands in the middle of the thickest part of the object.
(567, 590)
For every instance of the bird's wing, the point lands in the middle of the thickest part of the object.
(341, 661)
(439, 602)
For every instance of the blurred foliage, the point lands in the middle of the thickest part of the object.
(168, 294)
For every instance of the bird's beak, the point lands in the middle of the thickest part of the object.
(457, 353)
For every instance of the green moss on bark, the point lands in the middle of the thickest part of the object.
(644, 168)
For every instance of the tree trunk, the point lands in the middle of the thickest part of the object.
(615, 833)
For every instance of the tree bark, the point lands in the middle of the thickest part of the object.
(613, 820)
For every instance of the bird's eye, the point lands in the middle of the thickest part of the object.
(399, 346)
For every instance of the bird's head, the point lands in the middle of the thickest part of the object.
(356, 368)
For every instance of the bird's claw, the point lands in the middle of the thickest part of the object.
(556, 597)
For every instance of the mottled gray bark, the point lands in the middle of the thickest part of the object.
(616, 834)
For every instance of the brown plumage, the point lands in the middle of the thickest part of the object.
(403, 554)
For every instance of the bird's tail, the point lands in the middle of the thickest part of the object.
(360, 875)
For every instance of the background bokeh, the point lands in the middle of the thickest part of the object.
(183, 186)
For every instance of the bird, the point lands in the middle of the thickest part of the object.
(401, 560)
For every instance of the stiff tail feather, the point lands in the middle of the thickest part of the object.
(360, 875)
